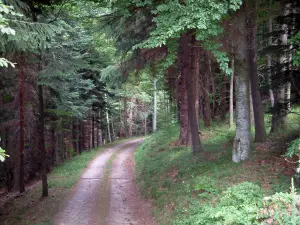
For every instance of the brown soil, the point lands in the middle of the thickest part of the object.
(107, 193)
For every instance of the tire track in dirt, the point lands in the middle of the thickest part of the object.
(98, 197)
(126, 204)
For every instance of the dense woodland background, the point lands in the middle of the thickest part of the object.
(77, 74)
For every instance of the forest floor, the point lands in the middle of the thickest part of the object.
(105, 194)
(182, 186)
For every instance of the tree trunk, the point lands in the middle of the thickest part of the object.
(130, 119)
(280, 109)
(269, 64)
(97, 133)
(213, 88)
(154, 107)
(59, 143)
(100, 137)
(125, 117)
(42, 142)
(93, 131)
(258, 110)
(195, 72)
(74, 140)
(22, 127)
(108, 128)
(242, 142)
(207, 113)
(223, 99)
(80, 144)
(231, 94)
(251, 106)
(76, 132)
(113, 129)
(288, 95)
(83, 148)
(122, 127)
(10, 179)
(145, 128)
(100, 130)
(185, 59)
(184, 135)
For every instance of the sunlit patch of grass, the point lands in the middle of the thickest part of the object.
(176, 180)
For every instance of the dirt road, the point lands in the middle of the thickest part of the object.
(107, 193)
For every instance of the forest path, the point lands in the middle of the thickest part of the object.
(107, 193)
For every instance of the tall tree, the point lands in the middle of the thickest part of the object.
(231, 94)
(251, 27)
(280, 109)
(242, 141)
(22, 125)
(185, 65)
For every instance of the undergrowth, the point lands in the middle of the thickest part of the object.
(31, 209)
(210, 189)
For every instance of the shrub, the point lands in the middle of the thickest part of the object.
(281, 209)
(294, 148)
(238, 204)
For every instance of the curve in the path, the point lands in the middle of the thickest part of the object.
(126, 204)
(98, 197)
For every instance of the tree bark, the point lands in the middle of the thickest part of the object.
(184, 135)
(251, 106)
(212, 111)
(83, 138)
(195, 72)
(154, 123)
(93, 131)
(113, 129)
(258, 111)
(125, 117)
(280, 109)
(75, 134)
(59, 143)
(42, 142)
(130, 119)
(145, 125)
(207, 113)
(22, 127)
(185, 42)
(108, 128)
(269, 64)
(223, 99)
(231, 94)
(242, 143)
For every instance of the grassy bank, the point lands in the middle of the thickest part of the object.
(183, 187)
(30, 208)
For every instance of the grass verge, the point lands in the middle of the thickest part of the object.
(31, 209)
(180, 185)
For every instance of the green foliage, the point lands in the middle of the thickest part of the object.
(294, 148)
(189, 191)
(173, 18)
(295, 40)
(4, 11)
(2, 155)
(281, 208)
(71, 170)
(4, 29)
(112, 76)
(220, 56)
(4, 63)
(238, 204)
